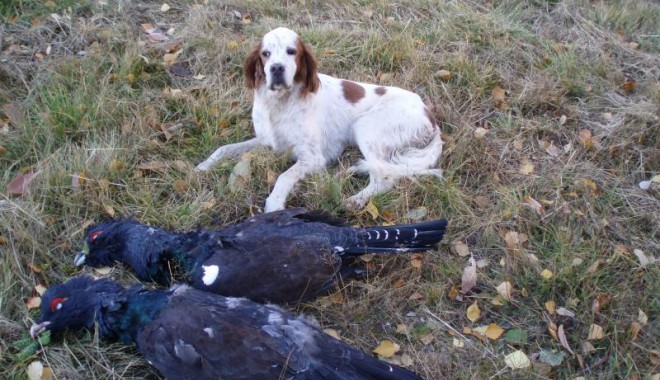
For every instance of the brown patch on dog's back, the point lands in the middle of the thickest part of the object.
(353, 92)
(380, 90)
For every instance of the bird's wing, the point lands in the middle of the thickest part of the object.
(204, 336)
(269, 268)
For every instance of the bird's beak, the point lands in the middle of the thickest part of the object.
(38, 328)
(80, 258)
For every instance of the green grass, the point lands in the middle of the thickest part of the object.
(101, 114)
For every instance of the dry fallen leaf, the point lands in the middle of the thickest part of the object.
(480, 132)
(552, 329)
(562, 339)
(635, 328)
(35, 370)
(458, 343)
(454, 292)
(416, 260)
(585, 138)
(103, 271)
(533, 204)
(550, 306)
(629, 86)
(165, 7)
(473, 312)
(333, 333)
(426, 339)
(401, 328)
(641, 317)
(643, 260)
(469, 279)
(386, 349)
(551, 149)
(499, 98)
(504, 289)
(460, 248)
(526, 167)
(497, 300)
(494, 331)
(442, 74)
(372, 210)
(565, 312)
(595, 332)
(546, 274)
(20, 184)
(33, 302)
(517, 360)
(40, 289)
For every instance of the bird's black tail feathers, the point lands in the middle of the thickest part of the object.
(402, 238)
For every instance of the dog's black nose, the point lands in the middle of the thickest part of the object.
(277, 68)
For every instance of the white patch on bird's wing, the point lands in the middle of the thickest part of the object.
(339, 249)
(275, 318)
(210, 274)
(209, 332)
(151, 230)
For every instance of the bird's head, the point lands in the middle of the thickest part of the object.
(75, 304)
(115, 241)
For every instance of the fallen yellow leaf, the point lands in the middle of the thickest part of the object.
(595, 332)
(517, 360)
(641, 317)
(546, 274)
(473, 312)
(458, 343)
(494, 331)
(526, 167)
(459, 248)
(550, 306)
(386, 349)
(443, 74)
(372, 210)
(504, 289)
(333, 333)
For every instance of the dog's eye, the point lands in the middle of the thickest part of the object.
(291, 51)
(265, 54)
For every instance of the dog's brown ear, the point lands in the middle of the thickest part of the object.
(306, 69)
(253, 68)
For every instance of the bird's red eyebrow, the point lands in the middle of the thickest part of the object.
(55, 302)
(94, 235)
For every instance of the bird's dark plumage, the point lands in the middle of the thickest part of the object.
(190, 334)
(284, 256)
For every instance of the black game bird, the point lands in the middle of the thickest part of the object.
(190, 334)
(283, 257)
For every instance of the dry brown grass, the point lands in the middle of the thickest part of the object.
(564, 65)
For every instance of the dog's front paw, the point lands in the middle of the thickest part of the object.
(204, 166)
(355, 203)
(273, 204)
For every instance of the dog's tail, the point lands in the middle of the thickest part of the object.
(406, 162)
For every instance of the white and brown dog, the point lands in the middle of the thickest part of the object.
(318, 116)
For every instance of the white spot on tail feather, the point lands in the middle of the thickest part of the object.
(386, 234)
(210, 274)
(377, 234)
(151, 230)
(275, 318)
(415, 229)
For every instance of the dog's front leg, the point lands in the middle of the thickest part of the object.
(228, 151)
(287, 180)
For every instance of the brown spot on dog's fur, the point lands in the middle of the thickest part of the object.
(353, 92)
(381, 90)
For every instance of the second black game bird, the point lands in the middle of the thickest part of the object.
(189, 334)
(283, 257)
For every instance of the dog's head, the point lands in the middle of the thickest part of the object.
(281, 61)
